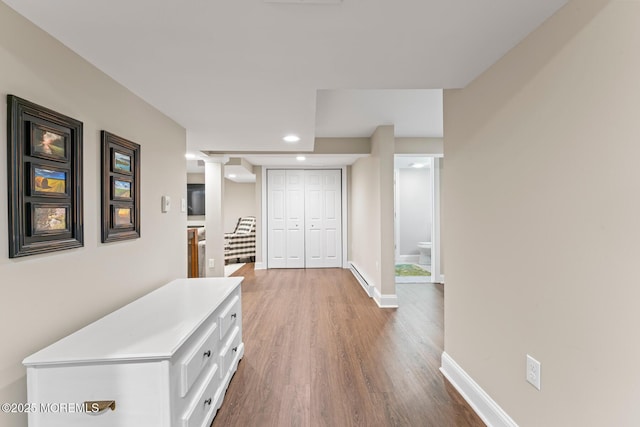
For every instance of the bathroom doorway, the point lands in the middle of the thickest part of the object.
(417, 219)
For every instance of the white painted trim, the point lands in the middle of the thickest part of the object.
(396, 214)
(260, 266)
(265, 221)
(440, 279)
(345, 217)
(435, 230)
(361, 279)
(385, 301)
(483, 405)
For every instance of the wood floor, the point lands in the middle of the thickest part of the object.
(319, 352)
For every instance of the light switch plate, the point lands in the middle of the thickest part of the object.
(166, 204)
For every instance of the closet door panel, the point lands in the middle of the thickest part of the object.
(295, 218)
(332, 218)
(276, 209)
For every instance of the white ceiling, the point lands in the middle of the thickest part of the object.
(239, 75)
(356, 113)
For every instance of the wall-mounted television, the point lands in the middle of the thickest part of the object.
(195, 199)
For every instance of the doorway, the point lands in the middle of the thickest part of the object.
(417, 218)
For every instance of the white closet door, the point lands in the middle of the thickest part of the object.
(333, 218)
(323, 215)
(276, 208)
(313, 216)
(304, 218)
(294, 215)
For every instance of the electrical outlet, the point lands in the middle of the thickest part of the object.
(533, 372)
(212, 263)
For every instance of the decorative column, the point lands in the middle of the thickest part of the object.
(214, 218)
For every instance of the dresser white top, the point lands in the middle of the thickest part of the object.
(150, 328)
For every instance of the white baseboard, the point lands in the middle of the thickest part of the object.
(361, 279)
(486, 408)
(385, 301)
(260, 266)
(408, 259)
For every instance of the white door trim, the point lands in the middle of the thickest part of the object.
(435, 224)
(396, 214)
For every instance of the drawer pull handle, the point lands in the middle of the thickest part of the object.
(98, 406)
(208, 401)
(234, 349)
(234, 315)
(207, 353)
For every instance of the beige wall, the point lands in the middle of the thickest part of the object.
(371, 213)
(239, 200)
(419, 146)
(195, 178)
(542, 217)
(383, 145)
(364, 219)
(45, 297)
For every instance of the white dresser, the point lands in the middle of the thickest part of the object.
(164, 360)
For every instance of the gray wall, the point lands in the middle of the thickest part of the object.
(542, 217)
(45, 297)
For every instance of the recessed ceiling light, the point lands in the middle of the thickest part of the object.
(416, 165)
(301, 158)
(291, 138)
(232, 175)
(190, 156)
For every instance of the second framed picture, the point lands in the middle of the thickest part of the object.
(120, 188)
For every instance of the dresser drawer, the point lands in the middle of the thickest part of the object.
(229, 352)
(204, 403)
(135, 387)
(229, 316)
(197, 358)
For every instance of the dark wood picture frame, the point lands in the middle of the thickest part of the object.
(120, 211)
(43, 139)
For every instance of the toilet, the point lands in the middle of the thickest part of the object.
(425, 253)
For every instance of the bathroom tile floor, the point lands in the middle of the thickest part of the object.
(415, 279)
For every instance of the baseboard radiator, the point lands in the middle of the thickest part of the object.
(360, 278)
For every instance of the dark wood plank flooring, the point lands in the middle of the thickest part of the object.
(319, 352)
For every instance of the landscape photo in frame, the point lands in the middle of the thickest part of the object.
(49, 181)
(49, 219)
(48, 143)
